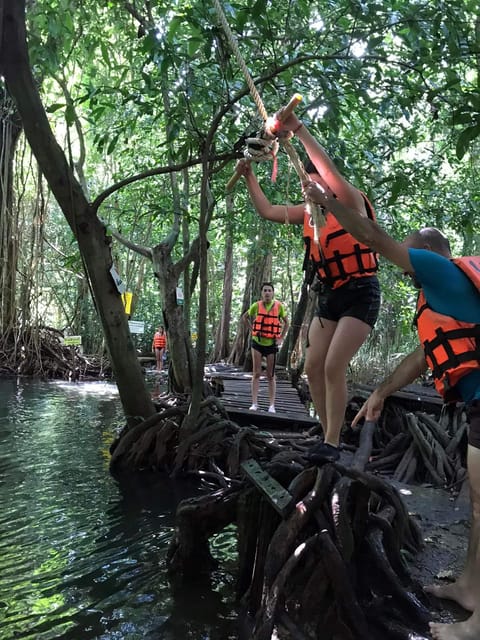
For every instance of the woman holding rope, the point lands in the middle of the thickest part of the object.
(349, 301)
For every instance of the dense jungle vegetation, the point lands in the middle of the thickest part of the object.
(121, 124)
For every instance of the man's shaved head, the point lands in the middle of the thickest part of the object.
(431, 239)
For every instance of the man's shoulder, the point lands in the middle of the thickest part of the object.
(430, 266)
(426, 255)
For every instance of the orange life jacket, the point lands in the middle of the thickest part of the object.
(338, 257)
(267, 323)
(451, 347)
(159, 341)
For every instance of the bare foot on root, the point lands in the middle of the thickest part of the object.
(458, 631)
(453, 591)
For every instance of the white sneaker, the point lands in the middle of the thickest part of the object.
(254, 407)
(271, 409)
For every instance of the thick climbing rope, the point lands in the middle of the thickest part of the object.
(316, 211)
(240, 60)
(261, 148)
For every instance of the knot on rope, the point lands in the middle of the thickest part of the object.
(261, 149)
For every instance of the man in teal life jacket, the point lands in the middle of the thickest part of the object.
(448, 324)
(268, 323)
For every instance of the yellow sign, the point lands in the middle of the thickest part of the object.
(127, 301)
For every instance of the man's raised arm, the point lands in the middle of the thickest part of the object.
(363, 229)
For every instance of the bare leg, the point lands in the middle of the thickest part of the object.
(319, 337)
(466, 589)
(157, 357)
(461, 589)
(257, 369)
(349, 336)
(272, 382)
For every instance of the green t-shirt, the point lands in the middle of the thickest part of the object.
(253, 312)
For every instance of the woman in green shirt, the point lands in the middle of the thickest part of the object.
(267, 320)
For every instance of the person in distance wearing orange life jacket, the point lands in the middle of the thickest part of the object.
(268, 323)
(448, 324)
(159, 344)
(349, 301)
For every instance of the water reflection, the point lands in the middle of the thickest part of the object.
(83, 555)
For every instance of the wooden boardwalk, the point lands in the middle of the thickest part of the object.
(234, 389)
(233, 386)
(417, 397)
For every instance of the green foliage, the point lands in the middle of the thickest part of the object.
(391, 90)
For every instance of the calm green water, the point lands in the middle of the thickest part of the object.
(81, 554)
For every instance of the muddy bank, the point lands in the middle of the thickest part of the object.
(444, 519)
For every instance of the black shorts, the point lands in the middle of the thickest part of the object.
(473, 415)
(264, 349)
(359, 298)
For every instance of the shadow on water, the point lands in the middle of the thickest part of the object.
(82, 555)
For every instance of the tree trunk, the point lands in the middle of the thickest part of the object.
(259, 269)
(10, 129)
(295, 327)
(178, 338)
(222, 338)
(89, 231)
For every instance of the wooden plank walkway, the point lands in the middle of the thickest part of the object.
(234, 389)
(233, 385)
(419, 397)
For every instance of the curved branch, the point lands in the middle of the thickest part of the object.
(225, 157)
(192, 255)
(80, 162)
(144, 251)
